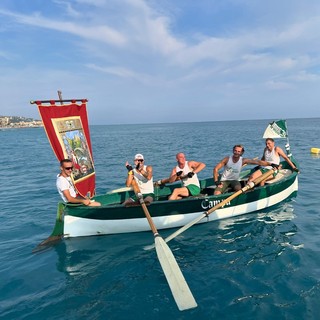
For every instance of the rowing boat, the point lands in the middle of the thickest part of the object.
(112, 217)
(68, 131)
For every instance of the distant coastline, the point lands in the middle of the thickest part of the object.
(8, 122)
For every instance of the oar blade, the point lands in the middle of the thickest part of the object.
(47, 244)
(177, 283)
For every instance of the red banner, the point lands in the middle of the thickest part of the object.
(68, 133)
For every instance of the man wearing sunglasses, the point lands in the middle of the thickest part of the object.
(66, 187)
(144, 178)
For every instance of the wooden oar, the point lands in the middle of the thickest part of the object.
(178, 285)
(221, 204)
(56, 235)
(167, 180)
(120, 190)
(255, 158)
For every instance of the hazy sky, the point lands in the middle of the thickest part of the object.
(163, 60)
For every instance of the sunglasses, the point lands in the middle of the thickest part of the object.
(68, 168)
(140, 160)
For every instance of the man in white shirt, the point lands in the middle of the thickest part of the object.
(186, 171)
(232, 167)
(66, 187)
(143, 176)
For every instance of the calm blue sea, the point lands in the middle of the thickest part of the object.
(258, 266)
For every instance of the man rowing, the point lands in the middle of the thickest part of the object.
(232, 167)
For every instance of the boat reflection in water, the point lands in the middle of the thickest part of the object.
(315, 155)
(259, 237)
(83, 256)
(277, 213)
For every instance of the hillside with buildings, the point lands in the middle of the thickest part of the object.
(19, 122)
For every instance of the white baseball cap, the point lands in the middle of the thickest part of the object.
(138, 156)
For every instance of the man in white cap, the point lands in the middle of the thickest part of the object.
(143, 176)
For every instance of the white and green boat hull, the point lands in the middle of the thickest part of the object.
(112, 217)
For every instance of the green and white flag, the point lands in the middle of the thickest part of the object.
(276, 129)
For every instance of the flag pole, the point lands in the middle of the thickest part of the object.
(287, 145)
(60, 96)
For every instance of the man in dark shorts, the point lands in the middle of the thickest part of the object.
(232, 167)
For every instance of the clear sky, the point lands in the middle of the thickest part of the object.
(163, 60)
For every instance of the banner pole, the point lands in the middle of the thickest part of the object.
(60, 97)
(39, 102)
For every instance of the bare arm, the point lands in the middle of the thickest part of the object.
(71, 199)
(285, 157)
(220, 165)
(146, 173)
(129, 178)
(173, 176)
(256, 162)
(196, 166)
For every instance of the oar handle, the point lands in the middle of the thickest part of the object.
(167, 180)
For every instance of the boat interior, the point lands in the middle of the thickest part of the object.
(162, 192)
(207, 185)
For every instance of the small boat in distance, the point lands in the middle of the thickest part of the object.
(68, 131)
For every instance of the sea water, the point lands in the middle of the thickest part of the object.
(257, 266)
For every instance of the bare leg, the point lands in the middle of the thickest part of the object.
(179, 193)
(255, 175)
(148, 200)
(95, 204)
(128, 202)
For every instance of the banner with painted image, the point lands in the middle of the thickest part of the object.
(68, 132)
